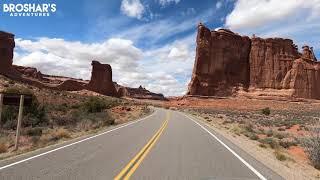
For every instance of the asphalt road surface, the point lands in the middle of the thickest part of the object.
(164, 145)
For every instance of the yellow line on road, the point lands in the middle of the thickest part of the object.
(132, 166)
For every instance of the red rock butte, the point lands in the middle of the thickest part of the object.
(226, 63)
(101, 79)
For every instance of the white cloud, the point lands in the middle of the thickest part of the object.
(294, 19)
(167, 2)
(57, 56)
(180, 53)
(159, 70)
(132, 8)
(254, 13)
(219, 5)
(165, 28)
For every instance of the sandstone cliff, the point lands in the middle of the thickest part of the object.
(221, 62)
(226, 62)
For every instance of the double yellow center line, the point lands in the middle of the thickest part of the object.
(132, 166)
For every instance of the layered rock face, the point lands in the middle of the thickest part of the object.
(7, 45)
(270, 60)
(226, 61)
(221, 62)
(101, 79)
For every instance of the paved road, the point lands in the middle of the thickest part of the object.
(165, 145)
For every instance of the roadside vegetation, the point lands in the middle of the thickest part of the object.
(57, 116)
(280, 132)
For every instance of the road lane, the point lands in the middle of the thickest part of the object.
(98, 158)
(183, 151)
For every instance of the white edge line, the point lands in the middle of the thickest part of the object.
(227, 147)
(68, 145)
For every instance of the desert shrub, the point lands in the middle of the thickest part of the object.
(280, 135)
(311, 145)
(60, 133)
(269, 133)
(62, 107)
(248, 127)
(254, 137)
(34, 131)
(94, 105)
(270, 141)
(35, 140)
(266, 111)
(280, 156)
(286, 143)
(3, 147)
(262, 145)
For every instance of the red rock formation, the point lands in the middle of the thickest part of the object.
(139, 93)
(29, 72)
(101, 79)
(303, 79)
(270, 60)
(7, 45)
(225, 61)
(221, 62)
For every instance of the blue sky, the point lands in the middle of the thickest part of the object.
(147, 42)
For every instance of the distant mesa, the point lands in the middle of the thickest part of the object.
(100, 82)
(228, 64)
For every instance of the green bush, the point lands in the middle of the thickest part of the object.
(286, 143)
(34, 131)
(272, 143)
(266, 111)
(280, 135)
(94, 105)
(269, 133)
(254, 137)
(280, 156)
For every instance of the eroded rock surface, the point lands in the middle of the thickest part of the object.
(226, 62)
(139, 93)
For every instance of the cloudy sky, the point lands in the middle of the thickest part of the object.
(148, 42)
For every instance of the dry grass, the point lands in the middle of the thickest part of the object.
(60, 134)
(3, 148)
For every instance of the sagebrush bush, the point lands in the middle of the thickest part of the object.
(280, 156)
(311, 145)
(94, 105)
(266, 111)
(272, 142)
